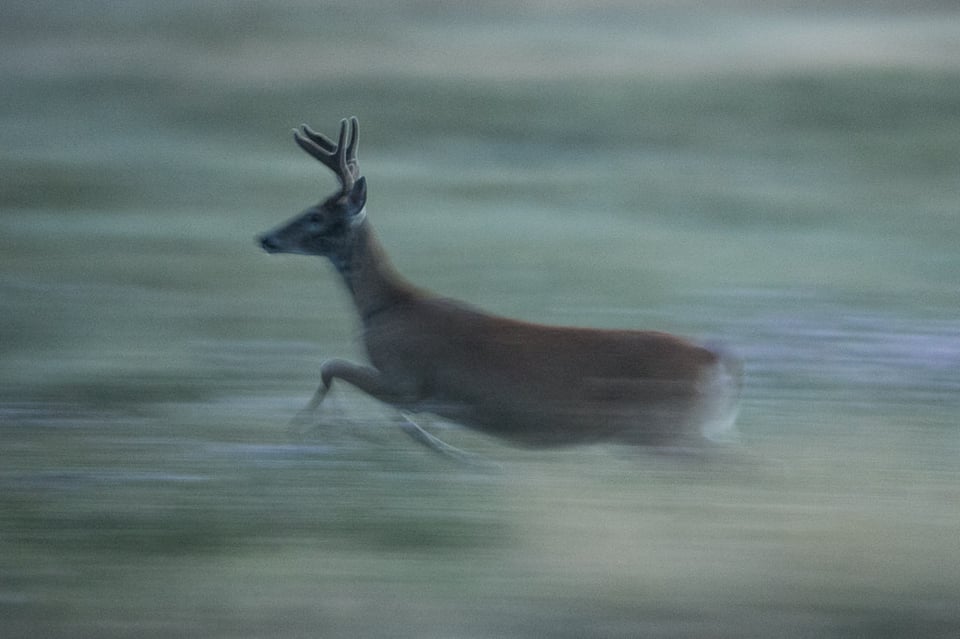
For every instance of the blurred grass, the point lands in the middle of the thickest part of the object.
(781, 177)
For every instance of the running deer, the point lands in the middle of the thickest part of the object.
(529, 384)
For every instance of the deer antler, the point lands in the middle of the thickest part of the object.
(341, 158)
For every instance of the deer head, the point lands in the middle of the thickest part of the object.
(328, 228)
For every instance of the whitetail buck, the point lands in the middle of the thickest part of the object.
(527, 383)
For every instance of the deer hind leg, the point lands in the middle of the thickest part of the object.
(437, 445)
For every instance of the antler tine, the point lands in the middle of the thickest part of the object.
(343, 171)
(319, 138)
(341, 158)
(351, 156)
(314, 148)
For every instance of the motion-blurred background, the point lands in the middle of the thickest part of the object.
(781, 176)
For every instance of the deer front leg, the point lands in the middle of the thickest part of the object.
(374, 383)
(366, 378)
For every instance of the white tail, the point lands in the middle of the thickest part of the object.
(526, 383)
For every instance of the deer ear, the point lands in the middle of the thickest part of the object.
(358, 195)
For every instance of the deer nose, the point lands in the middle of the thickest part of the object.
(269, 243)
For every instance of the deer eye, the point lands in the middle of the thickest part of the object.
(315, 222)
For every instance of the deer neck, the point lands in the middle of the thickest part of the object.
(366, 270)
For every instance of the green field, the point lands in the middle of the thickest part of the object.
(780, 178)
